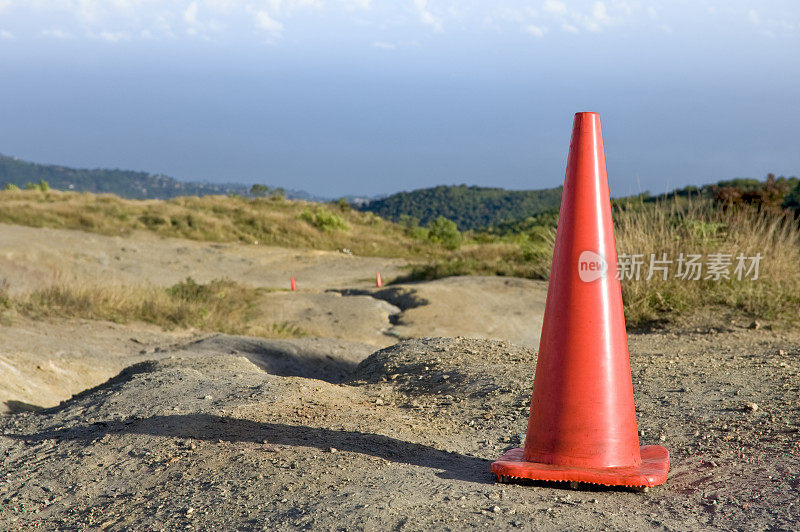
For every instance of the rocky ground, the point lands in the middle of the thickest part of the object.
(181, 430)
(235, 432)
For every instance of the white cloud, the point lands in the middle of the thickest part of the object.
(170, 19)
(190, 14)
(110, 36)
(5, 34)
(600, 12)
(569, 28)
(56, 34)
(267, 23)
(383, 45)
(306, 4)
(356, 4)
(426, 16)
(220, 6)
(287, 6)
(555, 7)
(535, 30)
(161, 26)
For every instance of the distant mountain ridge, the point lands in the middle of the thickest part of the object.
(470, 207)
(125, 183)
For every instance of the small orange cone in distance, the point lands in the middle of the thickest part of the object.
(582, 424)
(378, 280)
(294, 285)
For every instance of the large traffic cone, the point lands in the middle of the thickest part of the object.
(378, 280)
(582, 425)
(294, 285)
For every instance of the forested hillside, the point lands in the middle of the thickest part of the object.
(469, 207)
(123, 183)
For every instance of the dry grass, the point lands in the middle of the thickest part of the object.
(671, 227)
(220, 306)
(698, 227)
(268, 221)
(506, 257)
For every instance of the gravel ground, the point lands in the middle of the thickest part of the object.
(235, 432)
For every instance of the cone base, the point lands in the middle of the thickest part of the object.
(652, 472)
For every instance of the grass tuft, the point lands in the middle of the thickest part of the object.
(220, 305)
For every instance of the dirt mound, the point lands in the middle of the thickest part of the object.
(459, 369)
(43, 363)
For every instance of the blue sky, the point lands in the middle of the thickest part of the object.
(368, 97)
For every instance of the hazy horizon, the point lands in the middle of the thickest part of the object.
(367, 98)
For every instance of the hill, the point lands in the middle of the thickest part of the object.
(470, 207)
(123, 183)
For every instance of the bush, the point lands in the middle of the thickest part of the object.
(445, 232)
(42, 186)
(770, 195)
(343, 205)
(11, 186)
(192, 292)
(323, 219)
(792, 200)
(259, 191)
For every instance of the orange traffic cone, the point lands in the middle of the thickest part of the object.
(582, 425)
(294, 285)
(378, 280)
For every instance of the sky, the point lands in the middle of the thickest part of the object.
(370, 97)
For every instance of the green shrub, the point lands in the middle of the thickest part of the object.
(323, 219)
(191, 291)
(445, 232)
(792, 200)
(42, 186)
(343, 205)
(259, 191)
